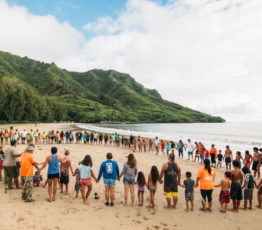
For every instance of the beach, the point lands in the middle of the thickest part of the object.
(68, 212)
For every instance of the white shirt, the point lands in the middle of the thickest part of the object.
(24, 133)
(190, 147)
(156, 142)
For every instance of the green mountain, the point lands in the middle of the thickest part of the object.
(35, 91)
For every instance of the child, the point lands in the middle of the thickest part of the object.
(85, 174)
(162, 146)
(248, 159)
(152, 185)
(189, 191)
(141, 182)
(37, 179)
(167, 148)
(150, 146)
(77, 184)
(224, 197)
(259, 193)
(1, 160)
(173, 146)
(239, 158)
(144, 143)
(248, 187)
(220, 158)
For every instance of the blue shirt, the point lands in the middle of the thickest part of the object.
(85, 171)
(109, 169)
(53, 167)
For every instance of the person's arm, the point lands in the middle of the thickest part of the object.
(36, 165)
(123, 172)
(100, 173)
(241, 179)
(93, 175)
(148, 181)
(44, 165)
(164, 168)
(218, 185)
(245, 183)
(79, 177)
(182, 185)
(71, 168)
(179, 174)
(117, 170)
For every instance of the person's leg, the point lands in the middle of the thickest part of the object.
(126, 194)
(28, 189)
(203, 194)
(142, 198)
(61, 187)
(152, 195)
(168, 200)
(112, 194)
(16, 183)
(250, 204)
(107, 188)
(192, 206)
(238, 204)
(259, 199)
(49, 182)
(66, 188)
(8, 181)
(209, 196)
(132, 191)
(55, 182)
(139, 198)
(89, 187)
(245, 204)
(174, 201)
(83, 191)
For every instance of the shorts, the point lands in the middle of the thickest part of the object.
(206, 194)
(127, 180)
(37, 183)
(190, 153)
(170, 192)
(11, 171)
(109, 182)
(213, 158)
(1, 164)
(236, 191)
(189, 197)
(77, 187)
(255, 165)
(52, 176)
(224, 196)
(202, 156)
(86, 181)
(248, 194)
(219, 161)
(228, 160)
(247, 163)
(180, 152)
(64, 178)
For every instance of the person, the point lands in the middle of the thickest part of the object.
(213, 154)
(236, 190)
(206, 153)
(248, 159)
(53, 173)
(162, 144)
(10, 166)
(157, 145)
(129, 172)
(228, 158)
(1, 160)
(153, 178)
(248, 187)
(190, 149)
(84, 175)
(173, 146)
(172, 175)
(77, 183)
(27, 173)
(65, 165)
(43, 138)
(110, 171)
(256, 162)
(141, 182)
(224, 196)
(239, 158)
(180, 147)
(206, 177)
(189, 191)
(37, 178)
(197, 153)
(201, 152)
(259, 193)
(150, 146)
(220, 158)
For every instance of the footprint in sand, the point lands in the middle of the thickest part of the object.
(20, 219)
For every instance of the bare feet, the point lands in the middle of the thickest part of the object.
(167, 207)
(258, 206)
(125, 205)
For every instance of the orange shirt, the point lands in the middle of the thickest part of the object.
(27, 162)
(206, 180)
(6, 135)
(213, 151)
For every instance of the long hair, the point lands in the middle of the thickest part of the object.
(87, 161)
(141, 179)
(154, 174)
(207, 165)
(131, 160)
(172, 157)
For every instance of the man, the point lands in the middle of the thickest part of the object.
(110, 171)
(213, 154)
(190, 149)
(24, 134)
(65, 165)
(172, 175)
(228, 158)
(9, 164)
(27, 173)
(157, 145)
(256, 162)
(236, 186)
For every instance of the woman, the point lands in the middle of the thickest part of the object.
(180, 147)
(129, 172)
(53, 172)
(206, 176)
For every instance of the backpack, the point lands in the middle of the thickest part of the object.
(250, 184)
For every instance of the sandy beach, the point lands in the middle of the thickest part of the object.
(68, 212)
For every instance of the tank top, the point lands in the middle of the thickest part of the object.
(171, 174)
(53, 167)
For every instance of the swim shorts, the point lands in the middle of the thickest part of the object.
(189, 197)
(11, 171)
(170, 192)
(109, 182)
(64, 179)
(224, 196)
(86, 181)
(52, 176)
(190, 153)
(213, 158)
(248, 194)
(236, 191)
(228, 160)
(255, 165)
(1, 164)
(129, 181)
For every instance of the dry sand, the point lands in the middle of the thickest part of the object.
(68, 212)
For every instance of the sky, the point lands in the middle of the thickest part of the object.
(203, 54)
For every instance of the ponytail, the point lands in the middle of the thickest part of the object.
(207, 165)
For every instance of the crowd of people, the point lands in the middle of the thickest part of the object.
(235, 180)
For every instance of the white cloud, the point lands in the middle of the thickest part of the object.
(203, 54)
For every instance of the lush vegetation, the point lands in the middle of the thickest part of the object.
(36, 91)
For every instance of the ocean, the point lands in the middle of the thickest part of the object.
(240, 136)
